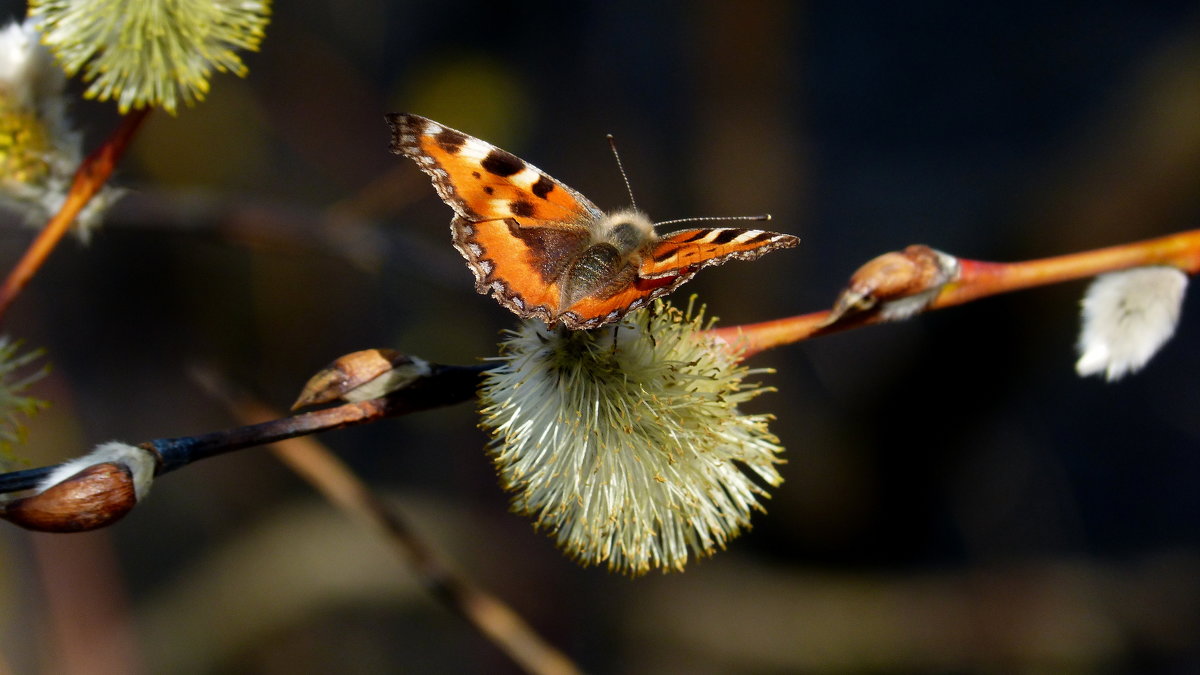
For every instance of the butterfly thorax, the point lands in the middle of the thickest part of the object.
(609, 264)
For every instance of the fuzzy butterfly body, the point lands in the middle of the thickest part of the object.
(542, 249)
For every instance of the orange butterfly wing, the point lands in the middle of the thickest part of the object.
(593, 312)
(482, 182)
(525, 235)
(519, 265)
(517, 227)
(686, 251)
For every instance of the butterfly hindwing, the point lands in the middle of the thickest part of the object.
(519, 265)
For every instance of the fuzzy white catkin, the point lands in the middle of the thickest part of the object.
(39, 148)
(151, 52)
(626, 443)
(1127, 317)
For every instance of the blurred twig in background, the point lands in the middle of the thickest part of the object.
(89, 179)
(337, 483)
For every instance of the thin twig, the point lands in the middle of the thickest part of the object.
(446, 385)
(93, 172)
(979, 279)
(495, 620)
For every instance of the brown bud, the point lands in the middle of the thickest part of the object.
(363, 375)
(95, 497)
(917, 273)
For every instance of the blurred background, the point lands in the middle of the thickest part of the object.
(956, 499)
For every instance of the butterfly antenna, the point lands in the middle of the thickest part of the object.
(612, 143)
(765, 216)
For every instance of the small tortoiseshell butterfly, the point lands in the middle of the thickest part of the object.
(542, 249)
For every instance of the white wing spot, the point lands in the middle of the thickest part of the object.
(747, 236)
(526, 177)
(473, 148)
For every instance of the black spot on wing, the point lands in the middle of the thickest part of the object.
(542, 187)
(698, 234)
(450, 140)
(475, 174)
(520, 207)
(726, 236)
(502, 163)
(666, 253)
(488, 189)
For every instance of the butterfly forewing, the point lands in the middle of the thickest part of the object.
(482, 182)
(702, 247)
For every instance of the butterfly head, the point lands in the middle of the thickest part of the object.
(628, 230)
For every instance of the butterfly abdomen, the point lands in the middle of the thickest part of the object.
(600, 270)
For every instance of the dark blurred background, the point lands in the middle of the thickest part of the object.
(956, 498)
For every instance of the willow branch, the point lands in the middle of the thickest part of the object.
(971, 280)
(446, 385)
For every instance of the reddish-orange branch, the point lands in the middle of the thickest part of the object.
(93, 172)
(753, 338)
(978, 279)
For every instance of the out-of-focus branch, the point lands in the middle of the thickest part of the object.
(92, 174)
(333, 479)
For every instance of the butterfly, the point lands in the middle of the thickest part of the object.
(542, 249)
